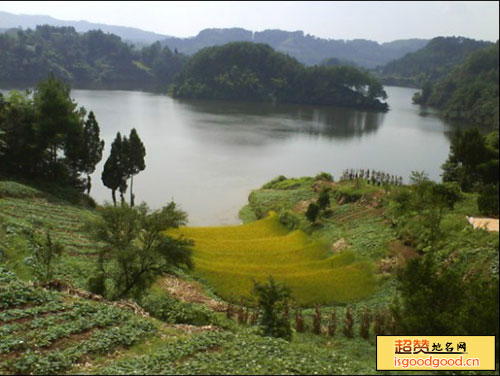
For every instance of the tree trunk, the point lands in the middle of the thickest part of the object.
(88, 184)
(131, 188)
(113, 195)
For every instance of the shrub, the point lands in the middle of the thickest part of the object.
(289, 219)
(324, 176)
(488, 201)
(272, 297)
(312, 212)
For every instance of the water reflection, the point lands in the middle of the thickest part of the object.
(259, 123)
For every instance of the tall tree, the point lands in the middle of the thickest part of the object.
(135, 159)
(113, 174)
(93, 147)
(57, 119)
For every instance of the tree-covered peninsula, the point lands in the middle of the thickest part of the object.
(469, 92)
(255, 72)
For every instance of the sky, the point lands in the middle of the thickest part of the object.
(376, 20)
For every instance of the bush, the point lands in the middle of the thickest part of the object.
(273, 297)
(289, 219)
(325, 176)
(488, 201)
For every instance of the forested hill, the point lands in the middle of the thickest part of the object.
(25, 21)
(430, 63)
(255, 72)
(93, 59)
(306, 48)
(470, 92)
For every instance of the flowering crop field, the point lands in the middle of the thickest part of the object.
(231, 258)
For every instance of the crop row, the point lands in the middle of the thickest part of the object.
(49, 329)
(16, 293)
(101, 342)
(162, 361)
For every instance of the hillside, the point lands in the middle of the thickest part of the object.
(307, 49)
(430, 63)
(129, 34)
(469, 92)
(94, 59)
(255, 72)
(47, 331)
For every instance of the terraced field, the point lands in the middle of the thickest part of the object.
(46, 332)
(23, 207)
(231, 258)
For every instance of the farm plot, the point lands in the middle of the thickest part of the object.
(47, 332)
(231, 258)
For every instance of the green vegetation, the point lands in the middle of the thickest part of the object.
(56, 331)
(46, 136)
(430, 63)
(473, 164)
(470, 91)
(93, 60)
(272, 299)
(135, 253)
(254, 72)
(231, 258)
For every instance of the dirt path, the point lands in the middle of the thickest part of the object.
(190, 291)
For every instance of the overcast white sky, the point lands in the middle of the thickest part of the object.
(378, 20)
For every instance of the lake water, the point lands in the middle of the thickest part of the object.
(207, 156)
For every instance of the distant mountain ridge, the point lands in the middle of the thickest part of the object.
(306, 48)
(131, 34)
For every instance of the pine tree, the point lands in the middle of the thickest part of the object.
(135, 162)
(93, 147)
(113, 175)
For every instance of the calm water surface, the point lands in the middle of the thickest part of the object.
(208, 156)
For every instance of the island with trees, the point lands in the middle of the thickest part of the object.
(255, 72)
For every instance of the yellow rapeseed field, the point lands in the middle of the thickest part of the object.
(232, 258)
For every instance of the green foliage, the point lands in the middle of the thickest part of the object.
(488, 200)
(324, 199)
(45, 136)
(91, 60)
(114, 172)
(44, 252)
(136, 247)
(473, 159)
(135, 153)
(250, 71)
(325, 176)
(165, 308)
(470, 91)
(272, 298)
(436, 299)
(430, 63)
(92, 147)
(419, 209)
(312, 212)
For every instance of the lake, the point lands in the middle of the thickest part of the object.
(207, 156)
